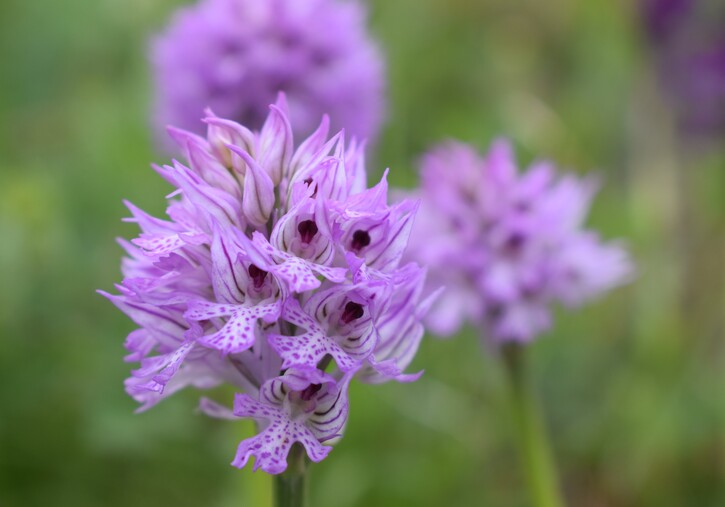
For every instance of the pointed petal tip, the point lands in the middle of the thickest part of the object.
(241, 152)
(105, 294)
(281, 101)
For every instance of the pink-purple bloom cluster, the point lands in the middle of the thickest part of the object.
(507, 245)
(278, 272)
(234, 56)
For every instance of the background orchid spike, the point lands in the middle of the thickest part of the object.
(278, 273)
(235, 55)
(508, 245)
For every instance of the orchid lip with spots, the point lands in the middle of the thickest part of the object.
(277, 272)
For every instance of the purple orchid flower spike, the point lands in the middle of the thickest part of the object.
(234, 56)
(261, 279)
(687, 48)
(509, 245)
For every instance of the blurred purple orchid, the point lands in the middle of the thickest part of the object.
(688, 46)
(507, 245)
(235, 55)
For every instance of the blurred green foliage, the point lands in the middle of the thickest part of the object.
(633, 385)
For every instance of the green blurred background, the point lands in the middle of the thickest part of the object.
(633, 384)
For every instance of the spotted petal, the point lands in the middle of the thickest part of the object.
(309, 347)
(161, 368)
(298, 274)
(332, 274)
(238, 333)
(271, 447)
(159, 237)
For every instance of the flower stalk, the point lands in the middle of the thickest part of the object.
(290, 487)
(534, 447)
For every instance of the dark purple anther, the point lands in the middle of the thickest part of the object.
(352, 312)
(257, 275)
(308, 392)
(307, 230)
(360, 239)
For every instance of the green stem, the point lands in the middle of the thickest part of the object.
(289, 486)
(539, 467)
